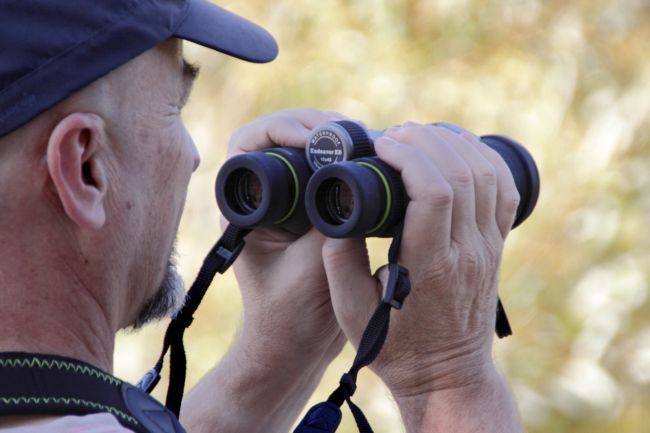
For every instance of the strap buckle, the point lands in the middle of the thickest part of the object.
(228, 256)
(398, 287)
(149, 381)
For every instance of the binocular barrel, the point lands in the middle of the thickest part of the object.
(338, 185)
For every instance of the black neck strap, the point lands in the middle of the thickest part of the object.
(219, 259)
(35, 384)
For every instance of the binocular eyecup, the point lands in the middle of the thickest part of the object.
(360, 198)
(265, 189)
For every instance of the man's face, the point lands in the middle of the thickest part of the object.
(156, 159)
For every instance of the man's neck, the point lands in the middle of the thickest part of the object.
(59, 317)
(46, 336)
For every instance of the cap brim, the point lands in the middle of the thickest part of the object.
(211, 26)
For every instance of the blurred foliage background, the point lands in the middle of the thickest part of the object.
(569, 79)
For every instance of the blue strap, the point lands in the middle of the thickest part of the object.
(359, 417)
(322, 418)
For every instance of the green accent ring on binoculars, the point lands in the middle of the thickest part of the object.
(295, 182)
(388, 197)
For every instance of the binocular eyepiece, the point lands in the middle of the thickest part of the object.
(338, 185)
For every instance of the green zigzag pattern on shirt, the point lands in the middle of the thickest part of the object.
(59, 365)
(68, 402)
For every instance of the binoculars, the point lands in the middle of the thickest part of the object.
(338, 184)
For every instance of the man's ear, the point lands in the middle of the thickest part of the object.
(75, 164)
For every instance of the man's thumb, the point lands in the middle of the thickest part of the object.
(354, 291)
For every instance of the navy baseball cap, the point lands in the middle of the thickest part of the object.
(52, 48)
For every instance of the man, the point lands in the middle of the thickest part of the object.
(94, 166)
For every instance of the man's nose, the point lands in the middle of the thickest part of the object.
(195, 153)
(197, 159)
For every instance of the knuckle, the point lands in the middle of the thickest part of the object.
(478, 265)
(488, 175)
(461, 177)
(472, 262)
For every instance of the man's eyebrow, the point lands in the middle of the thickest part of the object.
(190, 72)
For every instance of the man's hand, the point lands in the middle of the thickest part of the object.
(287, 310)
(289, 333)
(437, 359)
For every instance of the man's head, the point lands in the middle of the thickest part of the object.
(104, 174)
(94, 170)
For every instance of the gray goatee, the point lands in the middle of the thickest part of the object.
(167, 300)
